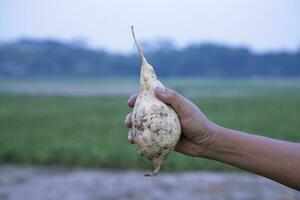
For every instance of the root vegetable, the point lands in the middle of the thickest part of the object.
(155, 126)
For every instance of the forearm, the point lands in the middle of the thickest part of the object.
(271, 158)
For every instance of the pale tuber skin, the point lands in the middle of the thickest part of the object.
(274, 159)
(155, 125)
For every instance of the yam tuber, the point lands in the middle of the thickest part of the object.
(155, 125)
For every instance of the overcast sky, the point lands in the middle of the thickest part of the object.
(259, 24)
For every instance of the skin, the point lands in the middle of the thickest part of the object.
(274, 159)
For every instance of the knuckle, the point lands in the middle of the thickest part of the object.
(172, 94)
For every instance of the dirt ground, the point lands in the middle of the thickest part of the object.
(52, 183)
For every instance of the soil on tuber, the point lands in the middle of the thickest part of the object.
(155, 125)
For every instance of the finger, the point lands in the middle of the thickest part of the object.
(175, 100)
(128, 120)
(182, 106)
(130, 138)
(132, 99)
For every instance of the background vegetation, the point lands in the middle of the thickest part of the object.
(48, 58)
(57, 122)
(89, 130)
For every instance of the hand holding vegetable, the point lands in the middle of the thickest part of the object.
(196, 128)
(274, 159)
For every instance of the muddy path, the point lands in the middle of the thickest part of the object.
(38, 183)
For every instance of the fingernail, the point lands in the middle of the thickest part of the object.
(126, 119)
(129, 98)
(160, 90)
(128, 101)
(129, 137)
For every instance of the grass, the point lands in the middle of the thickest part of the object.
(89, 131)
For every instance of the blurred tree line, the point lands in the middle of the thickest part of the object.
(47, 58)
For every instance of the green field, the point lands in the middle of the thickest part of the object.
(89, 131)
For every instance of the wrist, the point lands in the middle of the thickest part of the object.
(214, 135)
(208, 139)
(224, 145)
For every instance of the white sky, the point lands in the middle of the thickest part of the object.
(259, 24)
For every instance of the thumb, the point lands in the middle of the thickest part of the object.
(171, 97)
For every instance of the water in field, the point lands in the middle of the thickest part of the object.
(192, 87)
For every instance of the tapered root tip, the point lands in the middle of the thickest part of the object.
(154, 173)
(151, 174)
(136, 43)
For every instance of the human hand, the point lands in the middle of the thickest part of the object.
(197, 129)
